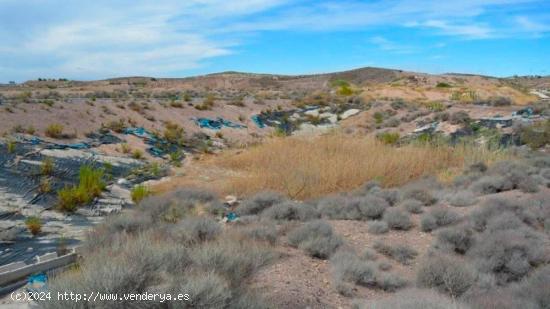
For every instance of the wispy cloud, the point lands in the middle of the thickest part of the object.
(468, 31)
(534, 27)
(391, 46)
(123, 38)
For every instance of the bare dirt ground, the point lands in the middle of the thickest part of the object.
(300, 281)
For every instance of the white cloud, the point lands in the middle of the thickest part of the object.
(469, 31)
(104, 38)
(387, 45)
(529, 25)
(109, 39)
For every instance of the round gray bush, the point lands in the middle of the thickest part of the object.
(259, 202)
(421, 195)
(446, 274)
(316, 238)
(412, 206)
(412, 299)
(397, 219)
(462, 199)
(288, 211)
(372, 207)
(457, 239)
(377, 227)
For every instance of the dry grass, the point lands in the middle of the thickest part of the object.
(336, 163)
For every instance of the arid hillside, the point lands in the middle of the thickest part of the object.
(370, 188)
(82, 107)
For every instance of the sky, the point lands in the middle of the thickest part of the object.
(86, 40)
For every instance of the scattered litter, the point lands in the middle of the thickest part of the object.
(494, 122)
(257, 119)
(231, 217)
(525, 112)
(217, 124)
(122, 181)
(155, 151)
(313, 113)
(141, 133)
(104, 138)
(349, 113)
(230, 200)
(333, 118)
(37, 283)
(93, 140)
(540, 95)
(308, 129)
(429, 128)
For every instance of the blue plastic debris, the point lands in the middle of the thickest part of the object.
(37, 282)
(230, 124)
(232, 217)
(78, 146)
(208, 123)
(258, 121)
(157, 152)
(216, 124)
(140, 132)
(525, 112)
(35, 140)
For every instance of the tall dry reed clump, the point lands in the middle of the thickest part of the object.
(336, 163)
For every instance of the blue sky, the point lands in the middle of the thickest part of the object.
(168, 38)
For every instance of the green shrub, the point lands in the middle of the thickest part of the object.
(54, 130)
(44, 186)
(388, 138)
(207, 103)
(11, 146)
(176, 104)
(443, 85)
(68, 199)
(378, 117)
(47, 166)
(116, 126)
(536, 136)
(139, 192)
(34, 225)
(90, 186)
(174, 134)
(137, 154)
(436, 106)
(176, 157)
(345, 90)
(125, 148)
